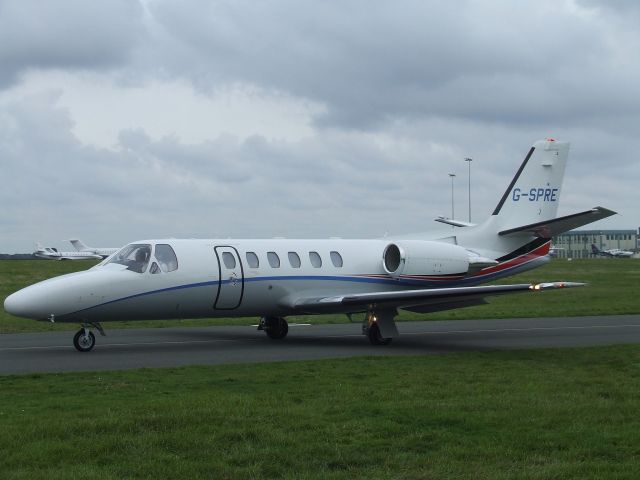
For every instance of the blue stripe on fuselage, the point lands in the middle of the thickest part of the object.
(355, 279)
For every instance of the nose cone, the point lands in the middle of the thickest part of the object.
(23, 304)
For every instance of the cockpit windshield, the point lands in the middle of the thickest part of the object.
(134, 256)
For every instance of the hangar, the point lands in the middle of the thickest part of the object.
(577, 243)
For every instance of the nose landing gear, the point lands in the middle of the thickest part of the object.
(84, 340)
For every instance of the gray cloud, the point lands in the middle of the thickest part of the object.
(66, 34)
(369, 62)
(408, 90)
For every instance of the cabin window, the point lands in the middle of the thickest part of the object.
(294, 259)
(314, 258)
(229, 260)
(274, 260)
(336, 259)
(154, 268)
(134, 256)
(252, 260)
(166, 257)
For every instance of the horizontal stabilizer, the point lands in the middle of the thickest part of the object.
(413, 298)
(454, 223)
(556, 226)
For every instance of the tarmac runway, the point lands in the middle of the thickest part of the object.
(173, 347)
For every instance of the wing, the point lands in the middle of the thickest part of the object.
(416, 300)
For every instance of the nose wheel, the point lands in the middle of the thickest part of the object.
(84, 340)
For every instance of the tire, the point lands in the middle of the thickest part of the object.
(277, 328)
(82, 342)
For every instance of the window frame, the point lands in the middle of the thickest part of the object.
(336, 258)
(273, 257)
(250, 256)
(313, 254)
(231, 257)
(164, 264)
(294, 255)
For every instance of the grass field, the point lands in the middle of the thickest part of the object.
(535, 414)
(538, 414)
(613, 289)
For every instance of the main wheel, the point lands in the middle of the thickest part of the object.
(375, 337)
(82, 342)
(276, 328)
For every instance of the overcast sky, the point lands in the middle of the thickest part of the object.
(122, 120)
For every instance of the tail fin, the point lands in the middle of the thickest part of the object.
(525, 217)
(534, 193)
(595, 250)
(79, 246)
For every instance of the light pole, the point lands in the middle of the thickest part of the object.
(468, 160)
(452, 175)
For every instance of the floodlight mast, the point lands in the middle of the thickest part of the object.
(469, 160)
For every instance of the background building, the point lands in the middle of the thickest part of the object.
(577, 243)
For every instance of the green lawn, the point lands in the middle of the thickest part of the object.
(537, 414)
(613, 289)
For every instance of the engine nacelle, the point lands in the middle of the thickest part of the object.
(422, 257)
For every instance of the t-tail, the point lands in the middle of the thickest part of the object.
(518, 233)
(79, 245)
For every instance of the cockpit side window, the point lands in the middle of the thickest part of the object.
(166, 257)
(134, 256)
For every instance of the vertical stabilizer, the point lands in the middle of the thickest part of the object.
(79, 246)
(534, 193)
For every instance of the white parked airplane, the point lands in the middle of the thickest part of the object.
(613, 252)
(52, 253)
(156, 279)
(104, 252)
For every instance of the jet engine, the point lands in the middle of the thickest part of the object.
(418, 257)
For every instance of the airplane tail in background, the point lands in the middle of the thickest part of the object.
(79, 246)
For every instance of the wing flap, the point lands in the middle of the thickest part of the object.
(439, 298)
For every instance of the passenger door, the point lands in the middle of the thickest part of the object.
(231, 278)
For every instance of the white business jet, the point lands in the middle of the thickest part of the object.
(158, 279)
(104, 252)
(51, 253)
(614, 252)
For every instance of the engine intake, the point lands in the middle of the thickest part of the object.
(393, 259)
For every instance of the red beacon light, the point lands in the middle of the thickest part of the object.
(551, 139)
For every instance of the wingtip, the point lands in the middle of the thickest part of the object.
(555, 285)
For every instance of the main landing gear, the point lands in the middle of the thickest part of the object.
(84, 340)
(380, 327)
(276, 328)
